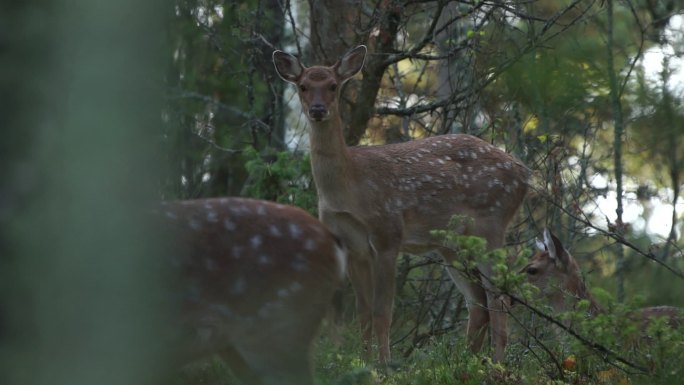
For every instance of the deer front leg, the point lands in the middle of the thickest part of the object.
(497, 306)
(384, 272)
(498, 316)
(360, 275)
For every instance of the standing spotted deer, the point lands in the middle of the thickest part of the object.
(256, 279)
(556, 273)
(381, 200)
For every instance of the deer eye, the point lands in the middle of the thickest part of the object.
(302, 88)
(532, 270)
(333, 87)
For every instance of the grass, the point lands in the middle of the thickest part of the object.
(444, 360)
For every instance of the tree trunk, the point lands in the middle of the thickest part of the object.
(78, 271)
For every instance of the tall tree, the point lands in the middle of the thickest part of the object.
(77, 261)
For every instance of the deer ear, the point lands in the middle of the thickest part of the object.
(550, 245)
(556, 249)
(540, 245)
(288, 67)
(351, 63)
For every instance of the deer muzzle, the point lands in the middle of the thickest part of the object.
(318, 112)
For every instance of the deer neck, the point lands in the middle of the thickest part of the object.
(579, 289)
(331, 161)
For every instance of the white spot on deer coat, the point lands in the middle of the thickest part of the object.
(295, 230)
(222, 309)
(171, 215)
(274, 231)
(299, 263)
(295, 287)
(261, 210)
(212, 216)
(256, 241)
(194, 224)
(239, 286)
(229, 225)
(310, 244)
(237, 252)
(264, 260)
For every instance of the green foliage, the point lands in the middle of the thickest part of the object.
(473, 253)
(615, 347)
(539, 353)
(212, 372)
(441, 362)
(280, 176)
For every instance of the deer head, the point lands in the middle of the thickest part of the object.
(555, 272)
(318, 86)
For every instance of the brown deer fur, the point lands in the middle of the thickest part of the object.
(381, 200)
(254, 280)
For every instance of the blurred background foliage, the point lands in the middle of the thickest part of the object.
(187, 96)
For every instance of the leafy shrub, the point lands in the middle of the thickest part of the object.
(283, 177)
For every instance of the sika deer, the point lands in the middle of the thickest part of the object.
(256, 280)
(556, 273)
(381, 200)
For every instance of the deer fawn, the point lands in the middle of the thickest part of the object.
(385, 199)
(256, 280)
(555, 272)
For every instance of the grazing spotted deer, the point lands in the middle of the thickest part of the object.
(256, 279)
(556, 273)
(381, 200)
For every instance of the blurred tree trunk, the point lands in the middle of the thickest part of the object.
(78, 274)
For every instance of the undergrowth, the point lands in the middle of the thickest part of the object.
(611, 348)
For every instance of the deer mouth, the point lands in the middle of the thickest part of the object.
(318, 116)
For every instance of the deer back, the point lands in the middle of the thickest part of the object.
(425, 182)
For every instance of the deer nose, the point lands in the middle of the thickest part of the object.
(318, 112)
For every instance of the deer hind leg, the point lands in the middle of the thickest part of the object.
(496, 304)
(360, 275)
